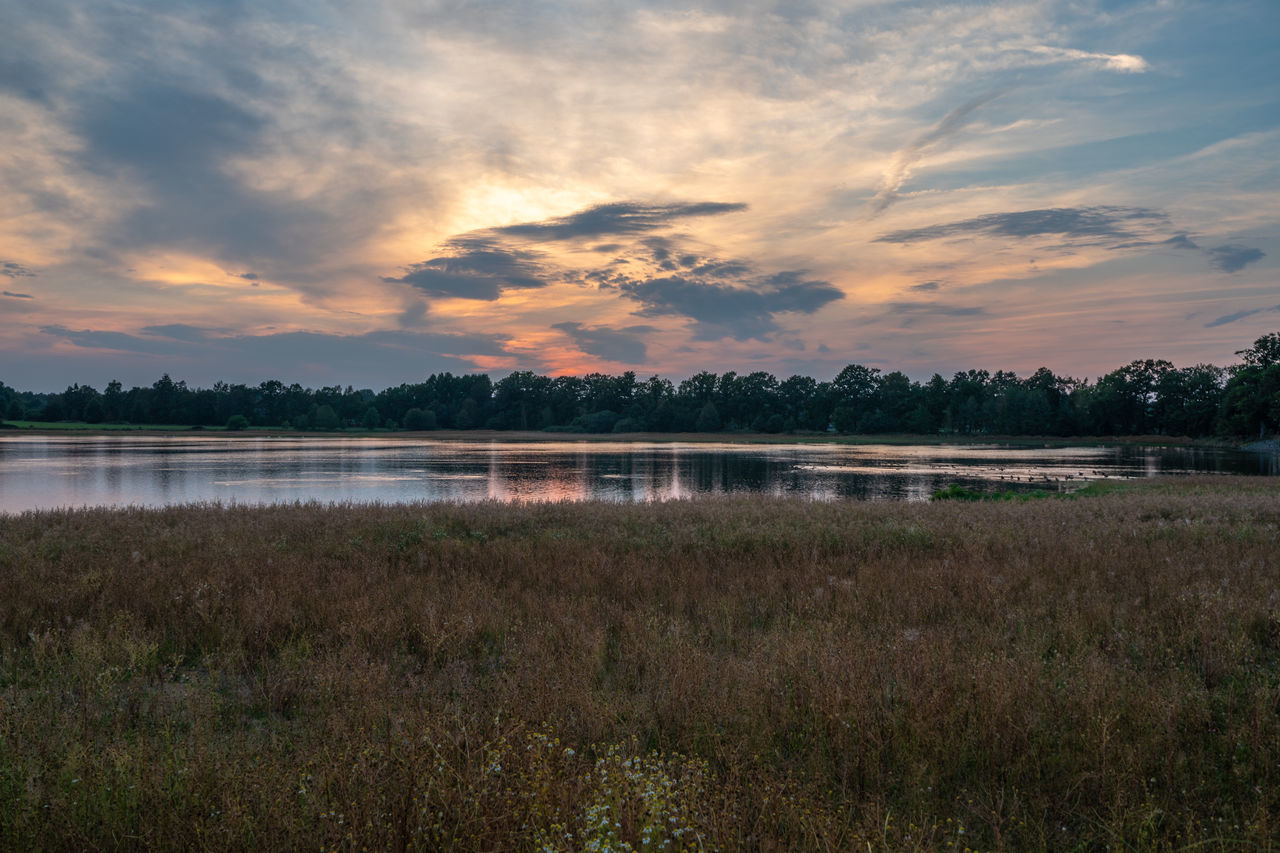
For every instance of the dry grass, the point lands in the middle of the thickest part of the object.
(1094, 673)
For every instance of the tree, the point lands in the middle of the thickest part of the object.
(235, 423)
(372, 420)
(855, 389)
(325, 418)
(93, 411)
(419, 419)
(1264, 352)
(708, 419)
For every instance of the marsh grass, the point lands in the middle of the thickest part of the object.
(1098, 673)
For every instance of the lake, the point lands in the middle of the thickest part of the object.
(47, 472)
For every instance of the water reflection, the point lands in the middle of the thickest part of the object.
(40, 472)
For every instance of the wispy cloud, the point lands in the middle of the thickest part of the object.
(1067, 222)
(1239, 315)
(1125, 62)
(937, 308)
(905, 158)
(9, 269)
(13, 295)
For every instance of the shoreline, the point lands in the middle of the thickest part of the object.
(531, 436)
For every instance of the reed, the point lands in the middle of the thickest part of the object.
(1100, 672)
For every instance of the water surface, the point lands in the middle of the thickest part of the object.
(49, 471)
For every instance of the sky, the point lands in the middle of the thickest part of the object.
(369, 192)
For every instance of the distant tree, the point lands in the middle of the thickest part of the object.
(854, 389)
(237, 422)
(708, 419)
(325, 419)
(15, 411)
(371, 420)
(94, 413)
(53, 410)
(468, 416)
(419, 419)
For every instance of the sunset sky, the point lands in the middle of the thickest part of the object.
(369, 192)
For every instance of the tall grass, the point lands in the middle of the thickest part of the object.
(1094, 673)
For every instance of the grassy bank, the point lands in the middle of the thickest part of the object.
(1098, 672)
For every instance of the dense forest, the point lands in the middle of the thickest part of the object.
(1150, 397)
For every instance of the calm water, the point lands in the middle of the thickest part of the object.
(48, 472)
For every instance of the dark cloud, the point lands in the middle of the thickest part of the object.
(927, 286)
(1233, 258)
(397, 355)
(10, 269)
(13, 295)
(622, 345)
(1095, 223)
(1239, 315)
(477, 268)
(1116, 228)
(721, 310)
(668, 256)
(413, 315)
(618, 218)
(249, 276)
(174, 145)
(1181, 241)
(181, 332)
(118, 341)
(164, 130)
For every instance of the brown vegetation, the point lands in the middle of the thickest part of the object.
(1093, 672)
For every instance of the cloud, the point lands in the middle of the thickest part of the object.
(722, 311)
(619, 218)
(1239, 315)
(1181, 241)
(13, 295)
(937, 308)
(1124, 62)
(668, 256)
(905, 158)
(1233, 258)
(182, 332)
(1069, 222)
(1116, 228)
(10, 269)
(95, 339)
(396, 355)
(622, 345)
(926, 286)
(476, 268)
(173, 145)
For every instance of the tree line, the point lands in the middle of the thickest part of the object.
(1145, 397)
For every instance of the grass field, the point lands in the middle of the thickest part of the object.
(1099, 672)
